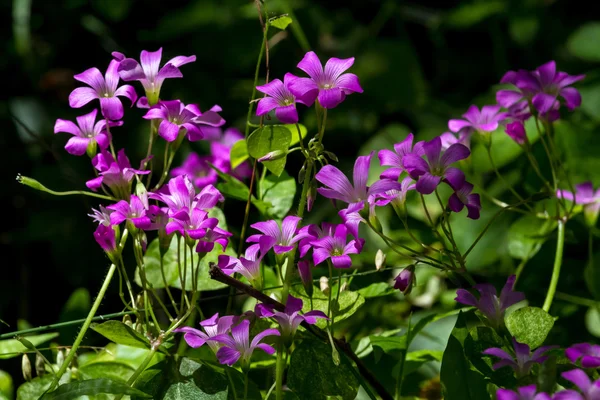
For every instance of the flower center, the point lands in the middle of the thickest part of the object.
(106, 95)
(327, 86)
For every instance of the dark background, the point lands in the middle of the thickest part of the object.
(420, 64)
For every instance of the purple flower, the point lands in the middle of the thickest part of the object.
(249, 265)
(523, 360)
(180, 196)
(285, 237)
(290, 318)
(174, 115)
(397, 197)
(195, 227)
(148, 72)
(103, 88)
(134, 211)
(463, 197)
(116, 174)
(589, 354)
(336, 248)
(437, 167)
(329, 85)
(315, 232)
(449, 138)
(522, 393)
(198, 170)
(542, 87)
(212, 326)
(486, 120)
(206, 244)
(238, 346)
(405, 280)
(340, 188)
(220, 149)
(488, 303)
(585, 196)
(305, 272)
(394, 158)
(85, 132)
(589, 390)
(280, 98)
(105, 236)
(101, 217)
(516, 131)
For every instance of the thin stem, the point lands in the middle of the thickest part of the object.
(560, 243)
(142, 367)
(279, 369)
(577, 300)
(501, 178)
(256, 72)
(323, 123)
(164, 278)
(245, 385)
(38, 186)
(84, 328)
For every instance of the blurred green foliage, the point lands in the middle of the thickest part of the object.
(420, 63)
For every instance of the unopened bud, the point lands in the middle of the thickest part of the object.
(380, 260)
(374, 221)
(40, 365)
(26, 367)
(311, 195)
(60, 357)
(331, 156)
(139, 302)
(305, 272)
(32, 183)
(405, 280)
(127, 320)
(324, 284)
(590, 213)
(516, 131)
(142, 193)
(344, 286)
(273, 155)
(92, 148)
(302, 174)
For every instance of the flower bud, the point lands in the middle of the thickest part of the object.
(405, 280)
(516, 131)
(32, 183)
(380, 260)
(273, 155)
(60, 358)
(306, 276)
(324, 284)
(127, 320)
(26, 367)
(40, 366)
(590, 213)
(311, 195)
(374, 221)
(92, 148)
(105, 237)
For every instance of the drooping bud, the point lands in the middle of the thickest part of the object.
(105, 237)
(324, 284)
(590, 213)
(380, 260)
(26, 368)
(32, 183)
(305, 272)
(40, 366)
(405, 280)
(60, 358)
(127, 320)
(273, 155)
(516, 131)
(374, 221)
(311, 195)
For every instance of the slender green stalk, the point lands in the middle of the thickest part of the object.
(246, 385)
(501, 178)
(279, 368)
(85, 327)
(560, 243)
(256, 72)
(32, 183)
(577, 300)
(141, 368)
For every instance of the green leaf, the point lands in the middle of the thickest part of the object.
(279, 192)
(423, 322)
(117, 371)
(469, 14)
(592, 321)
(459, 379)
(238, 153)
(294, 131)
(585, 42)
(415, 359)
(527, 234)
(267, 139)
(347, 304)
(13, 348)
(35, 388)
(529, 325)
(280, 22)
(393, 345)
(377, 289)
(313, 375)
(76, 389)
(171, 267)
(119, 333)
(6, 385)
(481, 338)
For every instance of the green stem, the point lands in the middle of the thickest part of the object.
(279, 368)
(246, 385)
(85, 326)
(256, 72)
(560, 243)
(501, 178)
(32, 183)
(141, 368)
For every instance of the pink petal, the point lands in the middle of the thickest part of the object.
(77, 145)
(168, 130)
(92, 77)
(111, 108)
(287, 114)
(331, 98)
(63, 125)
(336, 67)
(311, 65)
(349, 83)
(79, 97)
